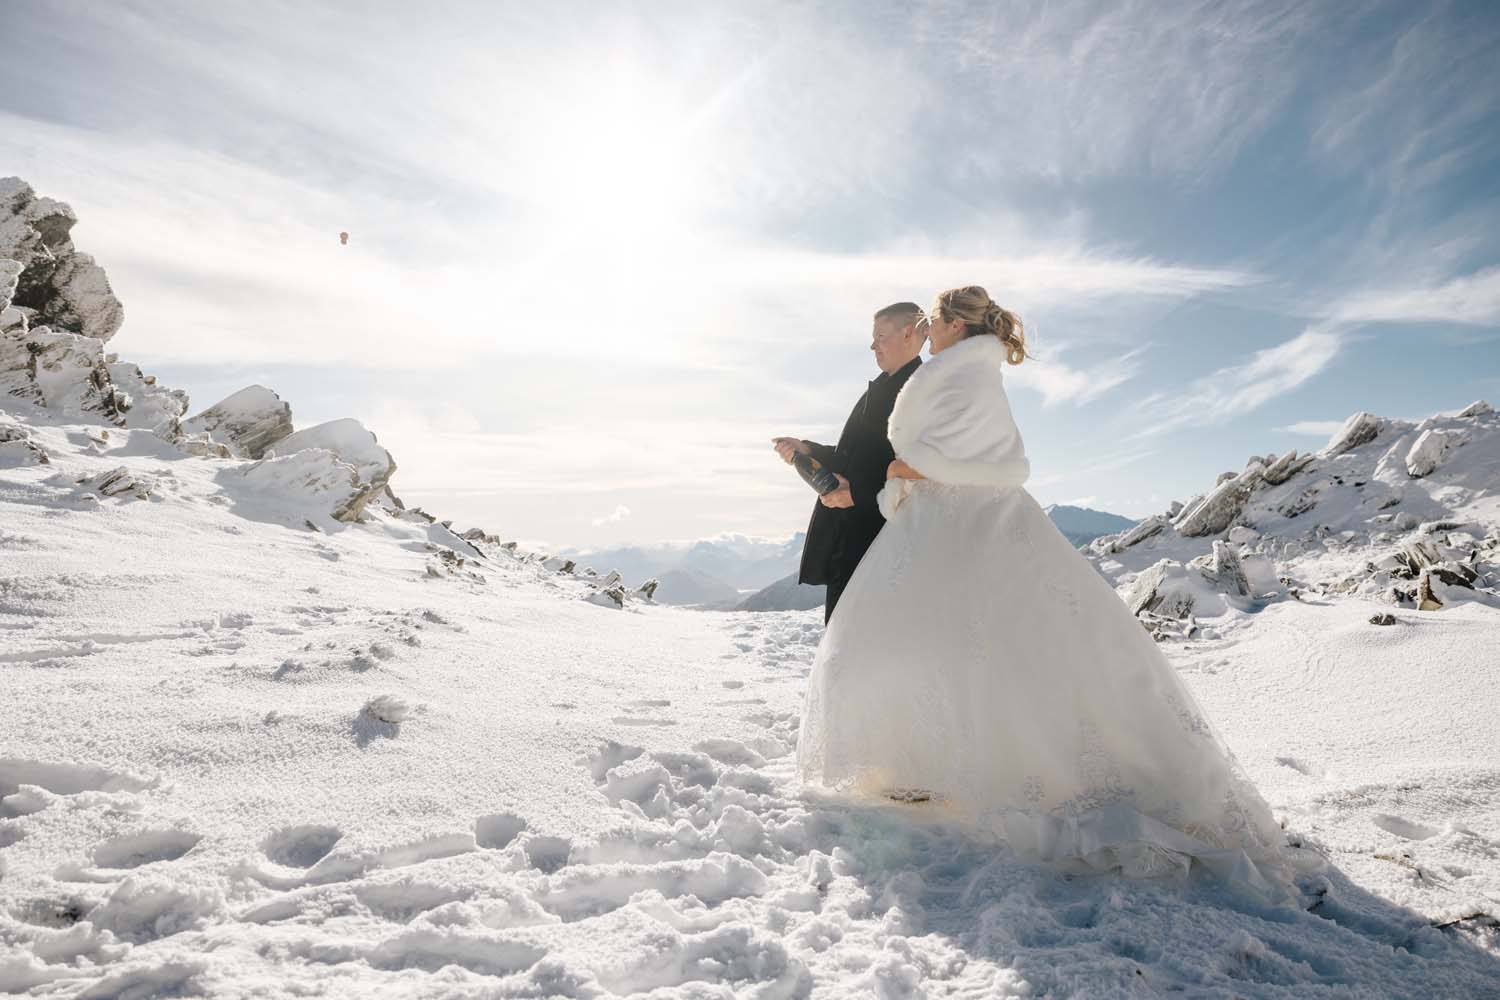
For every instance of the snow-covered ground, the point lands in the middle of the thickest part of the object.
(265, 733)
(241, 757)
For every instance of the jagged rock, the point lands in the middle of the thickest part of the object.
(648, 589)
(1478, 408)
(1286, 467)
(558, 564)
(17, 449)
(1427, 451)
(1444, 584)
(289, 488)
(247, 422)
(1242, 535)
(1174, 508)
(1152, 591)
(1383, 618)
(1142, 531)
(64, 288)
(480, 535)
(1207, 586)
(204, 447)
(119, 481)
(1224, 477)
(1359, 429)
(610, 597)
(1223, 504)
(352, 446)
(10, 316)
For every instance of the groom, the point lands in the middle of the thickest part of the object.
(845, 521)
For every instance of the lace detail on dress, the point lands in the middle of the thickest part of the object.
(1098, 775)
(1191, 721)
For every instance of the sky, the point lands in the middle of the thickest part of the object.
(601, 253)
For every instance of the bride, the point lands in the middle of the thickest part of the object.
(979, 663)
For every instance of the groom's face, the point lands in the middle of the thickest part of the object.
(891, 341)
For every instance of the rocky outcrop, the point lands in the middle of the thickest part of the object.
(1408, 522)
(1143, 530)
(1208, 585)
(1360, 429)
(56, 312)
(1279, 470)
(350, 446)
(1217, 511)
(58, 286)
(17, 448)
(1427, 451)
(247, 422)
(1478, 408)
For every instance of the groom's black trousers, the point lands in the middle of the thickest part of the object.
(837, 538)
(835, 587)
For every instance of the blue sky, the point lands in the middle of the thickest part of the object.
(601, 253)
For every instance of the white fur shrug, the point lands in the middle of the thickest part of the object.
(952, 421)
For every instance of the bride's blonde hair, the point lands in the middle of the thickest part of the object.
(980, 314)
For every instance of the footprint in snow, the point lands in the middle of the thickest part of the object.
(498, 830)
(301, 846)
(1404, 828)
(147, 847)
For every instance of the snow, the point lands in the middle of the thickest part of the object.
(242, 757)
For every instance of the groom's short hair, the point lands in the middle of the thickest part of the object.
(900, 313)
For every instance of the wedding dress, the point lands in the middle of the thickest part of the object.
(977, 658)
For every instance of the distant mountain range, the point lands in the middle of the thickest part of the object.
(717, 572)
(1081, 525)
(713, 571)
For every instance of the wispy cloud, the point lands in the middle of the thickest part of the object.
(1058, 382)
(1313, 428)
(1239, 389)
(1472, 299)
(620, 513)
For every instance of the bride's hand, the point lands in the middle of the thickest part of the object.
(900, 470)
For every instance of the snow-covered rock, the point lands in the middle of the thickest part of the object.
(56, 312)
(247, 422)
(1359, 429)
(1478, 408)
(1208, 586)
(61, 287)
(16, 446)
(1428, 450)
(1222, 505)
(348, 439)
(1369, 519)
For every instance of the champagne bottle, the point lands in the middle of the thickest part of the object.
(815, 473)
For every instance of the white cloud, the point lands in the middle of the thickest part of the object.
(620, 513)
(1058, 382)
(1239, 389)
(1313, 428)
(1472, 299)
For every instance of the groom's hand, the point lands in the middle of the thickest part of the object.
(840, 497)
(787, 447)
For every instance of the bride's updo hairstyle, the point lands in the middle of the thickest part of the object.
(981, 315)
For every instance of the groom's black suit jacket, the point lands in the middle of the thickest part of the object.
(838, 537)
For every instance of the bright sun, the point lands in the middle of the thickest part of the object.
(616, 176)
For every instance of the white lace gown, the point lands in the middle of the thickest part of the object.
(977, 656)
